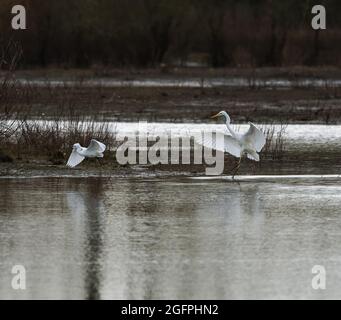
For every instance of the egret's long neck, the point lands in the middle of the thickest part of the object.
(233, 134)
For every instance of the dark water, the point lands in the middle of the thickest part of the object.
(152, 239)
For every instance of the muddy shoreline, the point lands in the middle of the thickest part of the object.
(291, 163)
(177, 104)
(167, 71)
(183, 105)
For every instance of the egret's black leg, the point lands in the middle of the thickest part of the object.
(236, 168)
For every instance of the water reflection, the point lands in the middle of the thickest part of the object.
(86, 211)
(101, 238)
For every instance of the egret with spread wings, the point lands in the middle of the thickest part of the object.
(79, 153)
(238, 145)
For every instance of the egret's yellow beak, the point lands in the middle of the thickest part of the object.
(215, 116)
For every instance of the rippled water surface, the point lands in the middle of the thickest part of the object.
(170, 238)
(194, 82)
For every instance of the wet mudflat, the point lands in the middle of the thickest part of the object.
(190, 96)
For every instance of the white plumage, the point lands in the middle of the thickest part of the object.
(220, 142)
(79, 153)
(249, 143)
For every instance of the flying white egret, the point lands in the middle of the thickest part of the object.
(238, 145)
(79, 153)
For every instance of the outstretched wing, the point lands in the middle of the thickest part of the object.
(220, 142)
(74, 159)
(256, 137)
(96, 146)
(254, 156)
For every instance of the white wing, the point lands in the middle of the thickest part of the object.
(220, 142)
(96, 146)
(254, 157)
(256, 137)
(74, 159)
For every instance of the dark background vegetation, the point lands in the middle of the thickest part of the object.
(147, 33)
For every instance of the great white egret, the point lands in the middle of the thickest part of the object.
(79, 153)
(238, 145)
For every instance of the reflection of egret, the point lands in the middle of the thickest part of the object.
(85, 209)
(249, 143)
(76, 205)
(79, 153)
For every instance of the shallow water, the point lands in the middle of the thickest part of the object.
(175, 238)
(296, 135)
(188, 82)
